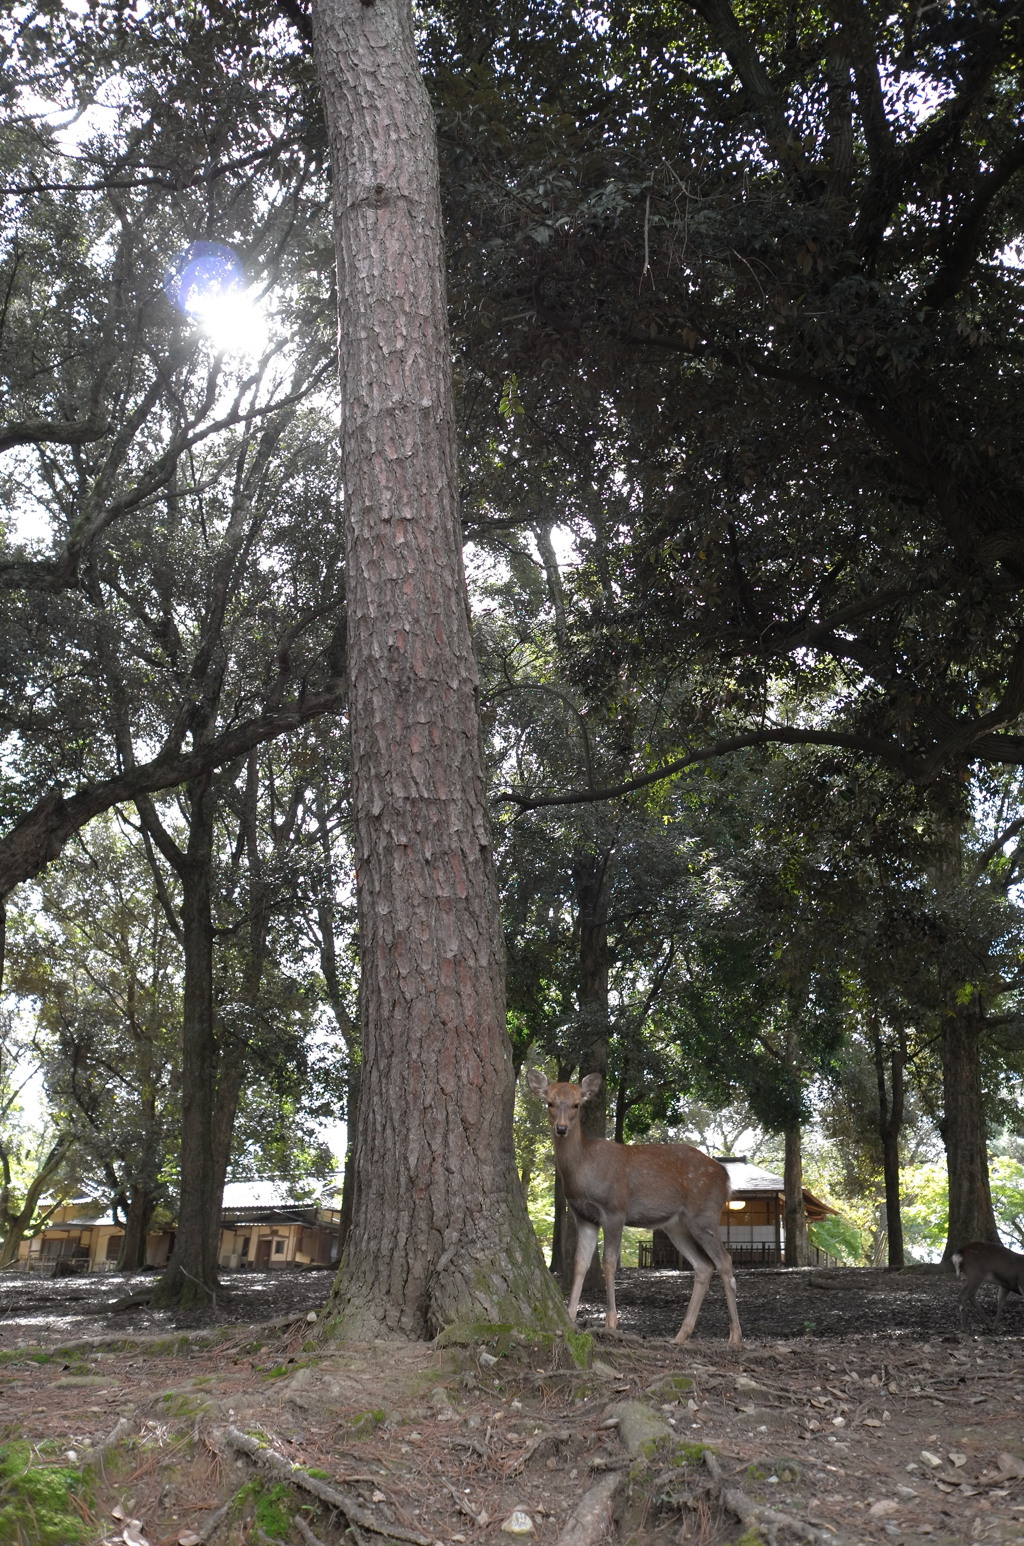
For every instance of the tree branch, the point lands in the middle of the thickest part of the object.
(919, 769)
(35, 432)
(40, 835)
(963, 249)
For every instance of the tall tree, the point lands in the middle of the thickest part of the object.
(767, 259)
(95, 954)
(434, 1153)
(120, 415)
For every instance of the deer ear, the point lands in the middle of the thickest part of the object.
(590, 1085)
(537, 1081)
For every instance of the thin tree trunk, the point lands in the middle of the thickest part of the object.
(439, 1229)
(143, 1190)
(348, 1028)
(797, 1253)
(348, 1180)
(559, 1243)
(190, 1276)
(591, 876)
(141, 1206)
(231, 1069)
(890, 1126)
(971, 1216)
(621, 1105)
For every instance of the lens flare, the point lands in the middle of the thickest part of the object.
(202, 276)
(206, 282)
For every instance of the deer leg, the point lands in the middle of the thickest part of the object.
(999, 1307)
(706, 1242)
(609, 1262)
(702, 1274)
(964, 1296)
(586, 1240)
(723, 1263)
(969, 1301)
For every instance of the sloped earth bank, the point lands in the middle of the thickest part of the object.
(856, 1411)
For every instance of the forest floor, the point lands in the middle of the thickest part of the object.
(856, 1411)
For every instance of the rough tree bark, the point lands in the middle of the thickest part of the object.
(439, 1229)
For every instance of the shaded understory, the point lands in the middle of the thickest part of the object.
(856, 1412)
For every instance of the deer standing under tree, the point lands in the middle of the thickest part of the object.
(980, 1262)
(667, 1186)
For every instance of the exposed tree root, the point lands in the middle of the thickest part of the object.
(279, 1465)
(768, 1520)
(592, 1520)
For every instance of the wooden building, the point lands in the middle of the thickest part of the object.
(751, 1225)
(264, 1225)
(82, 1236)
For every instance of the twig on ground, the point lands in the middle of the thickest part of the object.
(97, 1455)
(213, 1524)
(756, 1515)
(279, 1465)
(306, 1533)
(480, 1520)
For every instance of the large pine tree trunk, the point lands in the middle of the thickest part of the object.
(439, 1228)
(963, 1129)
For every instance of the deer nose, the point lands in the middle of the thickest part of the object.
(561, 1128)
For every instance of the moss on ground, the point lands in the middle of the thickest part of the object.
(503, 1339)
(185, 1404)
(271, 1506)
(690, 1454)
(362, 1424)
(38, 1502)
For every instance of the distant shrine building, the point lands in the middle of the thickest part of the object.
(751, 1225)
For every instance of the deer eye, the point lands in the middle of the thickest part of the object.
(576, 1107)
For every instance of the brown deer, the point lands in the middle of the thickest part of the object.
(981, 1262)
(665, 1186)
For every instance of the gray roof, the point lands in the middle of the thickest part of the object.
(752, 1181)
(751, 1178)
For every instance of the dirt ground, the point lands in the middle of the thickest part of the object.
(857, 1411)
